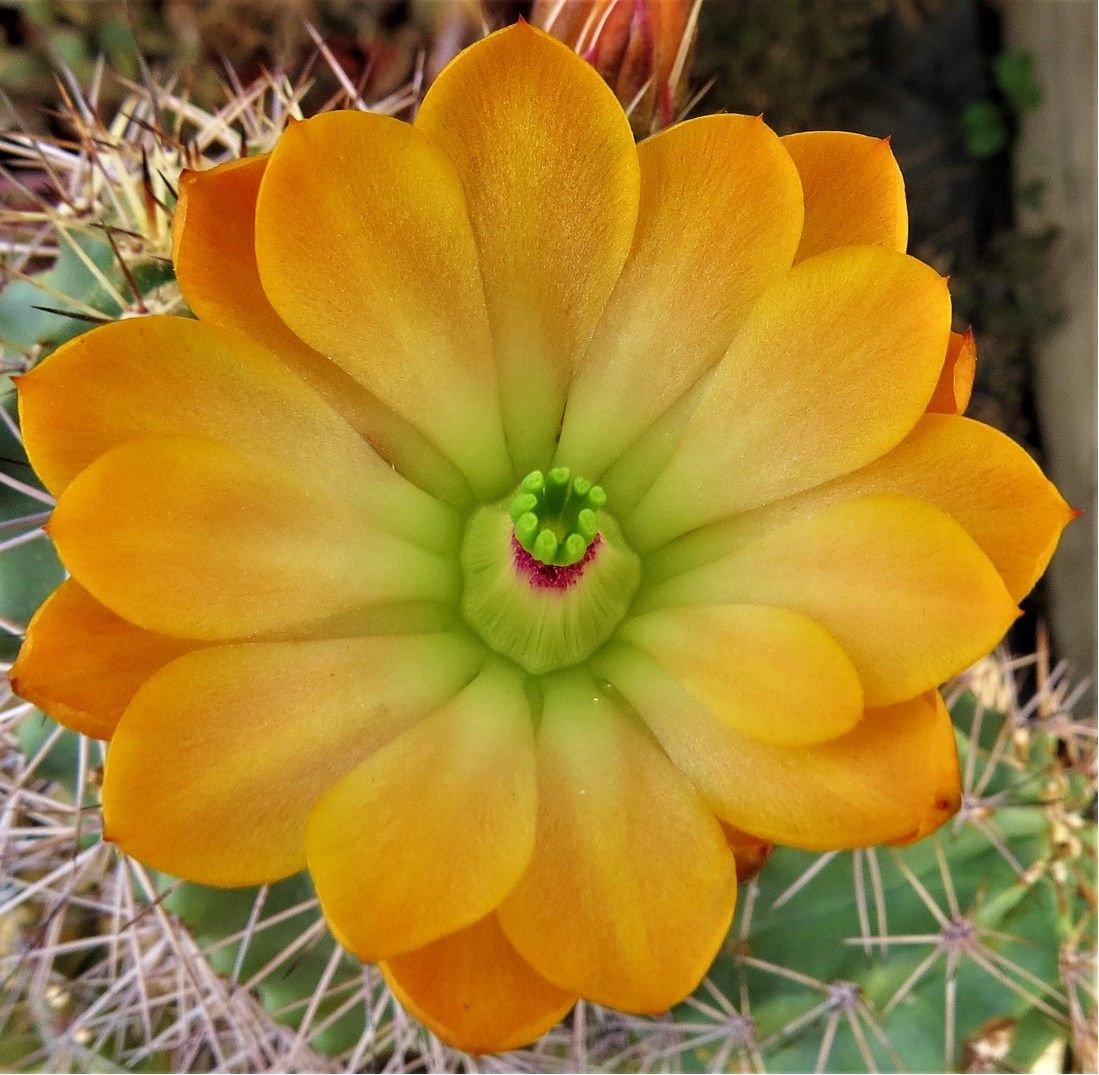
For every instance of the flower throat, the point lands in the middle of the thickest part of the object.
(547, 575)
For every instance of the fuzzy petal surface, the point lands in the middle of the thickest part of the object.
(899, 584)
(81, 664)
(214, 255)
(220, 757)
(832, 368)
(429, 834)
(475, 991)
(719, 223)
(630, 890)
(191, 538)
(377, 269)
(893, 775)
(174, 376)
(977, 475)
(548, 164)
(854, 191)
(771, 673)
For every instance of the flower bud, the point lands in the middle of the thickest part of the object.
(641, 47)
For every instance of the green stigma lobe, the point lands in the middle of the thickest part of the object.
(554, 515)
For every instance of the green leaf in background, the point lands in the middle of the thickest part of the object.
(1017, 80)
(986, 129)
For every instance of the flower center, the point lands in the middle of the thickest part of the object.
(548, 575)
(555, 516)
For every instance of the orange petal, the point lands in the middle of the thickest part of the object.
(833, 366)
(365, 251)
(476, 992)
(550, 171)
(985, 481)
(220, 757)
(214, 253)
(951, 395)
(719, 222)
(897, 582)
(893, 775)
(854, 192)
(978, 476)
(397, 869)
(750, 852)
(631, 888)
(81, 664)
(169, 376)
(188, 537)
(769, 672)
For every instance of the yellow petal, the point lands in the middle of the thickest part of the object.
(550, 171)
(214, 254)
(769, 672)
(631, 888)
(982, 479)
(429, 834)
(476, 992)
(833, 366)
(188, 537)
(365, 251)
(951, 395)
(169, 376)
(978, 476)
(854, 191)
(719, 222)
(893, 775)
(81, 664)
(220, 757)
(897, 582)
(985, 481)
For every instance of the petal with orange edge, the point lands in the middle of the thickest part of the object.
(152, 376)
(854, 191)
(719, 222)
(219, 758)
(977, 475)
(365, 250)
(550, 172)
(475, 991)
(895, 774)
(750, 852)
(630, 890)
(951, 395)
(833, 366)
(81, 664)
(214, 254)
(986, 482)
(190, 538)
(395, 871)
(769, 672)
(898, 583)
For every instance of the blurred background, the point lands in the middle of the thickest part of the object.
(991, 107)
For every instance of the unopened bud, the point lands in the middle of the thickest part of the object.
(641, 47)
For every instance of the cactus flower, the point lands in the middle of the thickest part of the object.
(527, 522)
